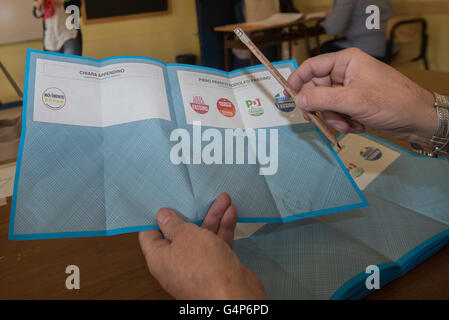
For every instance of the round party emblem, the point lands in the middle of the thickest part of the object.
(54, 98)
(226, 107)
(199, 106)
(370, 153)
(254, 107)
(284, 104)
(355, 171)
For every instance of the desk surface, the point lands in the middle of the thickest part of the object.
(254, 27)
(113, 267)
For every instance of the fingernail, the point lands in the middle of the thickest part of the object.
(163, 216)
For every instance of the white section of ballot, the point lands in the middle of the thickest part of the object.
(365, 159)
(76, 94)
(248, 100)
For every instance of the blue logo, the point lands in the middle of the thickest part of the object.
(284, 104)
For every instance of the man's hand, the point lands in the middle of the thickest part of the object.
(352, 89)
(197, 262)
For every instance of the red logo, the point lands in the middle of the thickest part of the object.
(198, 105)
(226, 107)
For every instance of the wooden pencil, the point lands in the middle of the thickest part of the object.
(259, 55)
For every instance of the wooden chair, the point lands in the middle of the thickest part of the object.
(402, 31)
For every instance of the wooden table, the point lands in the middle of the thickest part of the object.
(267, 36)
(113, 267)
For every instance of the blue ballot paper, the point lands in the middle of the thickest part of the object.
(334, 256)
(106, 143)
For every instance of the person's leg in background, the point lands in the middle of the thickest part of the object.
(332, 46)
(327, 47)
(73, 46)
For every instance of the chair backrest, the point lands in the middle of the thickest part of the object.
(404, 30)
(400, 31)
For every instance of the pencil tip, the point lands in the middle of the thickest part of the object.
(339, 146)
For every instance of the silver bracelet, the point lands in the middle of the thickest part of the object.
(440, 140)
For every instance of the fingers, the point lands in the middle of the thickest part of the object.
(322, 67)
(356, 127)
(169, 222)
(336, 121)
(151, 242)
(227, 225)
(342, 100)
(216, 212)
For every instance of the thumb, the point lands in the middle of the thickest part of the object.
(169, 222)
(337, 99)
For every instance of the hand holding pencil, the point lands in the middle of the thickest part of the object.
(259, 55)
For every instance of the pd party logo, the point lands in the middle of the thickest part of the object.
(226, 107)
(198, 105)
(254, 107)
(284, 104)
(54, 98)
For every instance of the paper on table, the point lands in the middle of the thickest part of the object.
(7, 172)
(365, 159)
(316, 15)
(280, 18)
(246, 230)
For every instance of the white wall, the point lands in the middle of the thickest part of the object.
(17, 22)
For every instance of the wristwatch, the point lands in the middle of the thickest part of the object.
(439, 143)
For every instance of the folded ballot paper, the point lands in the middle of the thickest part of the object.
(106, 143)
(336, 256)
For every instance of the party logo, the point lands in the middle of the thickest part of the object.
(226, 107)
(284, 104)
(254, 107)
(198, 105)
(371, 154)
(54, 98)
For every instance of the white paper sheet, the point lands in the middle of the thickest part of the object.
(365, 159)
(248, 97)
(114, 94)
(246, 230)
(280, 18)
(7, 172)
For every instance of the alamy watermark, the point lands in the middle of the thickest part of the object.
(373, 280)
(219, 150)
(73, 280)
(73, 20)
(373, 20)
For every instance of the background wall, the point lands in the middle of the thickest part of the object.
(161, 37)
(16, 22)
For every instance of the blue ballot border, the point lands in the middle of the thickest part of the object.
(30, 61)
(355, 288)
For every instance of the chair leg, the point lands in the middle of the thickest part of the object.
(426, 63)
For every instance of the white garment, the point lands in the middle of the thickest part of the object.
(256, 10)
(56, 31)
